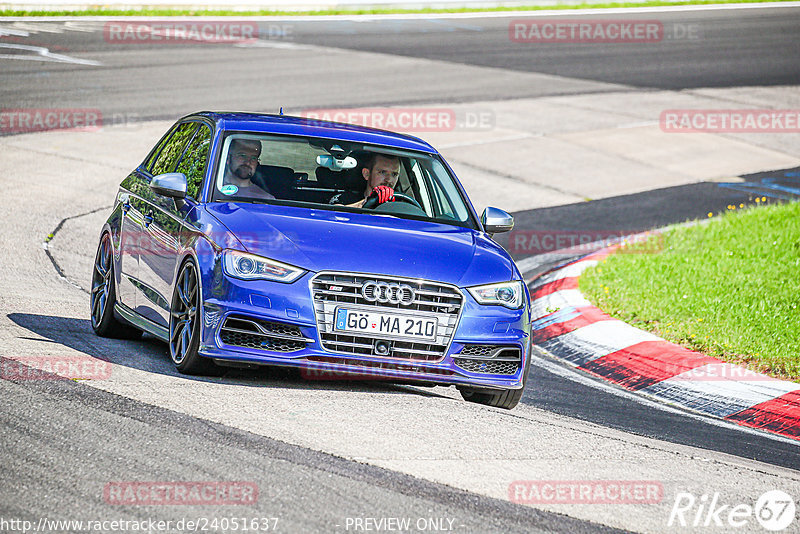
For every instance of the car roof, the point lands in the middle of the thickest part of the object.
(310, 127)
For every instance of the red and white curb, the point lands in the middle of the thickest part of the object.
(568, 327)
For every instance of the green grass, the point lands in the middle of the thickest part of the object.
(149, 12)
(729, 288)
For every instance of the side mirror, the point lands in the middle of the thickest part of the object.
(496, 221)
(171, 184)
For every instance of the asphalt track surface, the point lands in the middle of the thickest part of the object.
(63, 437)
(699, 49)
(736, 50)
(163, 444)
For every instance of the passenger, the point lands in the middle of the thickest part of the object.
(240, 167)
(381, 173)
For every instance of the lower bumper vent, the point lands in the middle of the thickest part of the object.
(489, 359)
(262, 335)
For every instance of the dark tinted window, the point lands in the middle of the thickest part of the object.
(169, 155)
(153, 155)
(194, 161)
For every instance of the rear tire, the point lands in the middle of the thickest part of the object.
(184, 325)
(103, 296)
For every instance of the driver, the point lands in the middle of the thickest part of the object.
(381, 173)
(241, 167)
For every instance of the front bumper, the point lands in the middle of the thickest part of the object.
(481, 351)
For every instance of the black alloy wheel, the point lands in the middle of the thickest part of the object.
(184, 325)
(103, 296)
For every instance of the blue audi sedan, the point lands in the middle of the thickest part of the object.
(249, 239)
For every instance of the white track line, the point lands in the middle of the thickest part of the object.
(43, 54)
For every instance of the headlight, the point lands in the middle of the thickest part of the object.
(508, 294)
(250, 267)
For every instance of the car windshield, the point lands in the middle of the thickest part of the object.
(333, 174)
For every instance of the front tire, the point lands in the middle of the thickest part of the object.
(184, 325)
(103, 296)
(507, 398)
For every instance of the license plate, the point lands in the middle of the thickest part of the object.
(389, 324)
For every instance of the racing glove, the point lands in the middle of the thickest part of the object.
(384, 194)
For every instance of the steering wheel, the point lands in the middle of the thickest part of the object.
(372, 202)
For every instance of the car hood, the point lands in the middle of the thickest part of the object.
(329, 240)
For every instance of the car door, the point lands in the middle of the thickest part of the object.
(165, 221)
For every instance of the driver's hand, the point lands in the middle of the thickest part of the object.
(384, 194)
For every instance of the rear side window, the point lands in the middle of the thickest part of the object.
(194, 161)
(151, 159)
(172, 150)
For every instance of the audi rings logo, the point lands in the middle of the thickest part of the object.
(385, 292)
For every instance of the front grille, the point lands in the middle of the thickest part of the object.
(262, 335)
(432, 300)
(489, 359)
(399, 349)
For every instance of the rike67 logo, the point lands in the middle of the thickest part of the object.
(774, 511)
